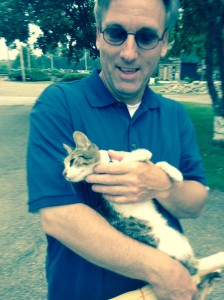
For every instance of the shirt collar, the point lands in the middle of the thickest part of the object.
(96, 92)
(99, 96)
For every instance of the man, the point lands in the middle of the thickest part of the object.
(87, 258)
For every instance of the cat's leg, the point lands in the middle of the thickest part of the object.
(171, 171)
(138, 155)
(206, 284)
(145, 155)
(177, 246)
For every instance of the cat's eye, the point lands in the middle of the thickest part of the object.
(72, 162)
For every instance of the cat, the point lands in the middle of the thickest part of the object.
(141, 220)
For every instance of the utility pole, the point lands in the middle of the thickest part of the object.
(52, 61)
(22, 62)
(9, 65)
(28, 58)
(86, 64)
(203, 68)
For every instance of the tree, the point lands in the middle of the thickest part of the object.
(68, 23)
(14, 21)
(14, 25)
(200, 30)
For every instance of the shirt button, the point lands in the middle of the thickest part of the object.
(133, 146)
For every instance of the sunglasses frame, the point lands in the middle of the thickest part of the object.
(153, 46)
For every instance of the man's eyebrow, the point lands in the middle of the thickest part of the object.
(117, 25)
(146, 28)
(149, 29)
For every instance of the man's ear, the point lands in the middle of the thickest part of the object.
(164, 44)
(98, 38)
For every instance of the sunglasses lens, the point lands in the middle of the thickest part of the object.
(146, 39)
(115, 36)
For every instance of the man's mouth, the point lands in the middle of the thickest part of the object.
(128, 70)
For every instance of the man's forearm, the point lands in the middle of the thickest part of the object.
(88, 234)
(184, 199)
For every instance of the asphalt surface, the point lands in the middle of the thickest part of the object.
(22, 244)
(18, 93)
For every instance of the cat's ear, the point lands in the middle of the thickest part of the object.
(81, 140)
(67, 148)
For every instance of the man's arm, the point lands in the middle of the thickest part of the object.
(136, 181)
(184, 199)
(87, 233)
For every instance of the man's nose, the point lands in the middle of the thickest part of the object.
(129, 49)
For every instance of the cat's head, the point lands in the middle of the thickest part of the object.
(80, 161)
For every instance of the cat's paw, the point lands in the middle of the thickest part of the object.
(206, 284)
(138, 155)
(191, 264)
(171, 171)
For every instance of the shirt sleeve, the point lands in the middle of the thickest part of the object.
(50, 127)
(191, 163)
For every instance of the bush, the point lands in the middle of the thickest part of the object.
(3, 68)
(15, 75)
(55, 73)
(188, 79)
(74, 76)
(31, 75)
(38, 75)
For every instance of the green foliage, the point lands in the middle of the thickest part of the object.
(55, 73)
(42, 62)
(31, 75)
(37, 75)
(213, 158)
(69, 23)
(190, 31)
(74, 76)
(3, 67)
(16, 75)
(188, 79)
(200, 31)
(14, 20)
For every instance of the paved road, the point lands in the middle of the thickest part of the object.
(23, 245)
(19, 93)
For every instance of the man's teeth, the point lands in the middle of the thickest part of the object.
(128, 70)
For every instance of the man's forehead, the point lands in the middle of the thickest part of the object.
(135, 14)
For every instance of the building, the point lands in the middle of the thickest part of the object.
(188, 67)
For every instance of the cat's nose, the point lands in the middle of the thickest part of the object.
(64, 173)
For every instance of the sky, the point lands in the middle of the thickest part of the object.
(34, 33)
(3, 51)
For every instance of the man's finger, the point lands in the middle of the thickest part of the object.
(117, 155)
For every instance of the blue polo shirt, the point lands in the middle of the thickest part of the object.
(160, 125)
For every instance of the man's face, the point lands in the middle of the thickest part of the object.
(126, 68)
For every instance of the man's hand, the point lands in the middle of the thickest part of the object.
(174, 283)
(126, 182)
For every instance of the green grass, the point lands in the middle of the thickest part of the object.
(213, 155)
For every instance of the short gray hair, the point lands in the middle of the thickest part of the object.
(172, 11)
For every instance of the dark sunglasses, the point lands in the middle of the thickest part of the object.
(144, 38)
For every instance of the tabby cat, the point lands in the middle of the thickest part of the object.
(141, 220)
